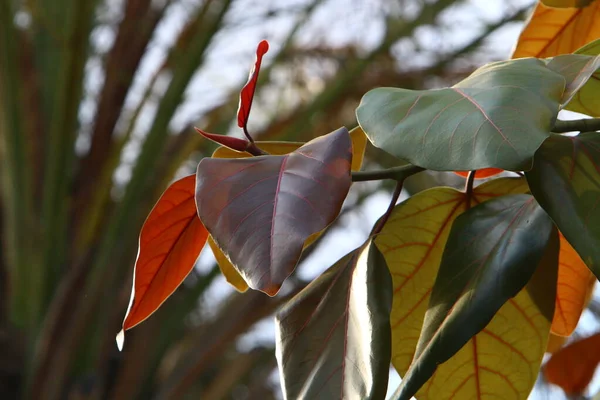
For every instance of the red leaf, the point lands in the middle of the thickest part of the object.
(247, 93)
(261, 210)
(170, 242)
(227, 141)
(572, 367)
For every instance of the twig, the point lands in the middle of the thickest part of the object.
(396, 173)
(577, 125)
(379, 225)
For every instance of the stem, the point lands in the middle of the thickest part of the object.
(469, 187)
(248, 134)
(254, 149)
(577, 125)
(396, 173)
(379, 225)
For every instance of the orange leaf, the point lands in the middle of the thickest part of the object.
(170, 242)
(574, 290)
(482, 173)
(572, 367)
(553, 31)
(555, 343)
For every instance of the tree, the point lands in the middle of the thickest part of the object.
(98, 100)
(458, 289)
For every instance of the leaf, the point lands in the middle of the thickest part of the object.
(566, 3)
(170, 242)
(572, 367)
(553, 31)
(565, 180)
(261, 210)
(577, 69)
(357, 136)
(412, 242)
(227, 141)
(247, 92)
(229, 272)
(482, 173)
(475, 124)
(333, 338)
(489, 257)
(574, 289)
(359, 144)
(586, 100)
(555, 342)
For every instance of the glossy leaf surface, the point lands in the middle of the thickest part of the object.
(565, 180)
(261, 210)
(333, 338)
(170, 242)
(489, 257)
(575, 286)
(478, 123)
(247, 92)
(572, 367)
(553, 31)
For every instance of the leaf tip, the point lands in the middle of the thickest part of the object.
(227, 141)
(120, 339)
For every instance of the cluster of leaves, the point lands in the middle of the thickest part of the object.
(458, 289)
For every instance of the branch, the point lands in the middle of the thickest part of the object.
(396, 173)
(577, 125)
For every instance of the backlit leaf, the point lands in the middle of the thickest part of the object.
(566, 3)
(553, 31)
(170, 242)
(555, 342)
(478, 123)
(577, 69)
(359, 144)
(261, 210)
(572, 367)
(565, 180)
(412, 242)
(247, 92)
(586, 100)
(333, 338)
(357, 136)
(489, 257)
(482, 173)
(229, 272)
(575, 286)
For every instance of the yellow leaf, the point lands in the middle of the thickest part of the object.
(357, 136)
(555, 343)
(553, 31)
(574, 290)
(586, 100)
(566, 3)
(229, 272)
(507, 352)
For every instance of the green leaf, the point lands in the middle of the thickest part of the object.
(492, 252)
(479, 123)
(565, 180)
(261, 210)
(577, 69)
(333, 338)
(586, 100)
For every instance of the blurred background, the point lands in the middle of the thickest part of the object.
(98, 100)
